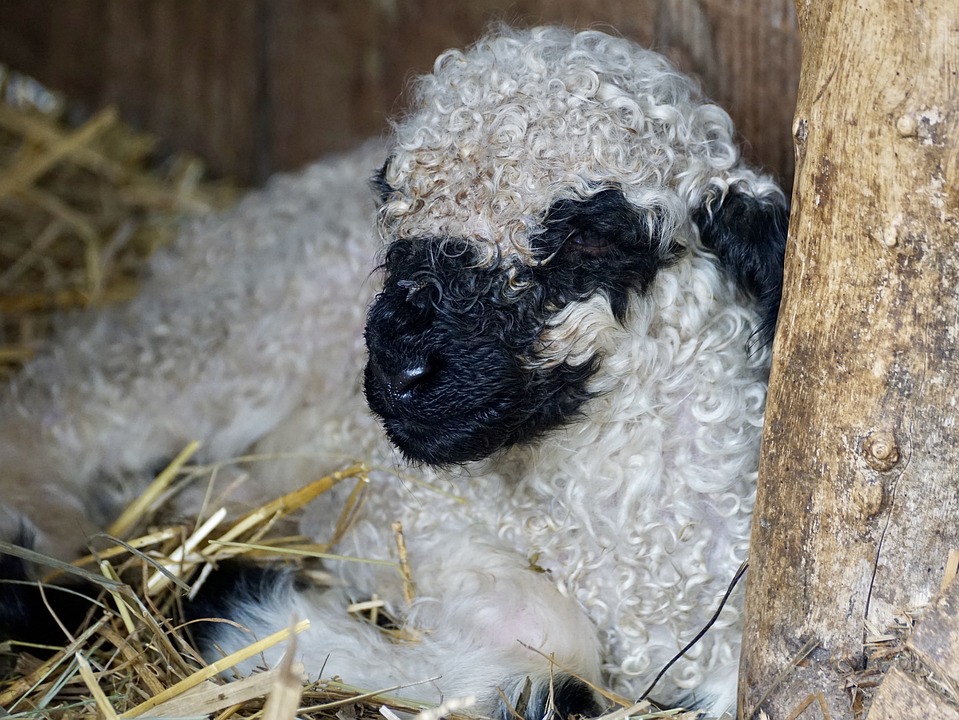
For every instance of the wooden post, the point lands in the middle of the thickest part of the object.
(858, 503)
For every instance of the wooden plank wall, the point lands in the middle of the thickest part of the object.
(257, 86)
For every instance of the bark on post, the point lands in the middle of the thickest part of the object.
(858, 504)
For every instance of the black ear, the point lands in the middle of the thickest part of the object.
(748, 234)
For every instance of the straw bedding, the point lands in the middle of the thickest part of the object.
(82, 205)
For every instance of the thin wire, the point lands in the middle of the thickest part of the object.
(699, 635)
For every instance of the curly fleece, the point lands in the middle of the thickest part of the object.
(605, 541)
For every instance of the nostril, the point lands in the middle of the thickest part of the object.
(408, 378)
(404, 380)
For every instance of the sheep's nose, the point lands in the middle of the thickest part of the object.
(402, 381)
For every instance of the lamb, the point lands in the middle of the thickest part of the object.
(566, 345)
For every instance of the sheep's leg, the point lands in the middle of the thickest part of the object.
(483, 624)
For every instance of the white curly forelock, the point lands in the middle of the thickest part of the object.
(526, 117)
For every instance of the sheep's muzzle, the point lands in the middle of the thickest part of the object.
(448, 341)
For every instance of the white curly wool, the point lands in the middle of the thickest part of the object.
(525, 118)
(607, 543)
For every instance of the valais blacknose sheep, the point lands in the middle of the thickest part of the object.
(568, 280)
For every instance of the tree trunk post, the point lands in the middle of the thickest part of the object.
(858, 500)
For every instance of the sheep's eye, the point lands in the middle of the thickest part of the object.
(587, 244)
(598, 244)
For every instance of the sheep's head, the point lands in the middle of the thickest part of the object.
(539, 186)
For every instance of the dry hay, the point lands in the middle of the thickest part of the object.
(130, 659)
(82, 205)
(133, 658)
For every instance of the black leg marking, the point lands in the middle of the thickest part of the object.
(230, 592)
(29, 614)
(568, 697)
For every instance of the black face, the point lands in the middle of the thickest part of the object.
(452, 368)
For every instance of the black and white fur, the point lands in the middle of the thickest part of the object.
(566, 342)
